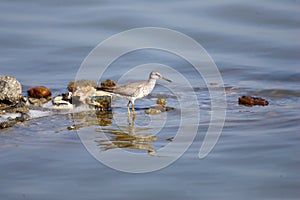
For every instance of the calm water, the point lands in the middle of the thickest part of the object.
(256, 47)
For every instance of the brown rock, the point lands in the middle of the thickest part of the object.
(39, 92)
(252, 101)
(161, 101)
(108, 84)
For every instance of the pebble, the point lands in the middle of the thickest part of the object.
(161, 101)
(39, 92)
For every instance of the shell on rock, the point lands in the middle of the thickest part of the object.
(10, 89)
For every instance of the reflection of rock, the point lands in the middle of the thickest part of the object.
(76, 84)
(252, 101)
(91, 118)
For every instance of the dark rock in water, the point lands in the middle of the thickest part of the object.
(108, 84)
(39, 92)
(159, 108)
(76, 84)
(10, 90)
(252, 101)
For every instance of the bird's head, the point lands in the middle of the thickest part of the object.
(156, 75)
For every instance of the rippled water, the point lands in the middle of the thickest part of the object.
(256, 47)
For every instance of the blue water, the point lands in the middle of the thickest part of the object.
(256, 47)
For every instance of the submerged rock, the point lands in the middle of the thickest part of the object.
(159, 108)
(252, 101)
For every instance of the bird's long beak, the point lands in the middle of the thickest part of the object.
(166, 79)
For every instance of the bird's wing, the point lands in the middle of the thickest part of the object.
(129, 89)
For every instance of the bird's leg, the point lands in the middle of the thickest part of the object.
(132, 120)
(128, 109)
(133, 111)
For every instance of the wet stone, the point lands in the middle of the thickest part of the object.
(252, 101)
(161, 101)
(108, 84)
(39, 92)
(159, 108)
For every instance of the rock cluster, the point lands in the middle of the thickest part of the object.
(11, 101)
(39, 95)
(80, 92)
(84, 92)
(10, 90)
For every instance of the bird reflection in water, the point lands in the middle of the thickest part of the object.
(125, 137)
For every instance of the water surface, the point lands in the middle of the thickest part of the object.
(256, 48)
